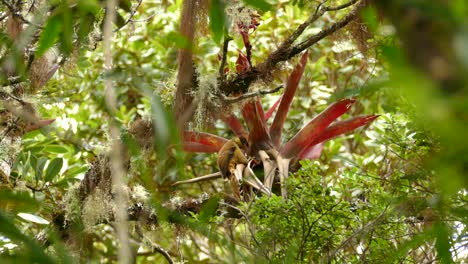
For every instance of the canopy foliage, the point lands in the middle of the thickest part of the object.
(104, 126)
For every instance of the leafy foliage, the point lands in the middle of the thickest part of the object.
(394, 192)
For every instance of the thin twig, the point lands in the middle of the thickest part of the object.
(300, 29)
(343, 6)
(31, 7)
(320, 10)
(362, 230)
(222, 76)
(249, 223)
(5, 15)
(4, 95)
(143, 19)
(12, 81)
(162, 251)
(208, 177)
(327, 31)
(17, 14)
(231, 100)
(285, 51)
(132, 14)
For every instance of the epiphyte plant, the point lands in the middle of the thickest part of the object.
(264, 141)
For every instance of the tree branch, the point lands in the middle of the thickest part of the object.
(12, 81)
(3, 16)
(163, 252)
(132, 14)
(231, 100)
(17, 14)
(318, 13)
(286, 51)
(365, 228)
(222, 76)
(327, 31)
(208, 177)
(343, 6)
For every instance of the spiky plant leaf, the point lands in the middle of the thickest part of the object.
(259, 138)
(202, 138)
(313, 130)
(286, 100)
(272, 109)
(235, 125)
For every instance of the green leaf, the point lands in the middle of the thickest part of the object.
(125, 5)
(261, 5)
(76, 170)
(40, 167)
(217, 19)
(33, 252)
(442, 242)
(65, 182)
(5, 39)
(56, 149)
(50, 34)
(66, 37)
(33, 218)
(17, 201)
(69, 175)
(89, 6)
(33, 161)
(25, 168)
(35, 149)
(31, 134)
(162, 125)
(166, 136)
(84, 63)
(179, 40)
(119, 20)
(86, 25)
(53, 169)
(369, 15)
(208, 209)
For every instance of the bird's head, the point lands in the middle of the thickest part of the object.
(241, 142)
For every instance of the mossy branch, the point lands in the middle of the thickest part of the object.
(287, 49)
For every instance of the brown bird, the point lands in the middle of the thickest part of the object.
(232, 161)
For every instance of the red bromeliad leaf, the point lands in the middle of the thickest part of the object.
(236, 126)
(343, 127)
(244, 32)
(260, 111)
(39, 124)
(242, 63)
(248, 113)
(270, 111)
(312, 152)
(334, 130)
(286, 100)
(197, 147)
(259, 138)
(205, 139)
(310, 132)
(245, 36)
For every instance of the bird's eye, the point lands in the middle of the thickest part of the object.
(244, 141)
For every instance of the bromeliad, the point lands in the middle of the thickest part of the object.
(264, 141)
